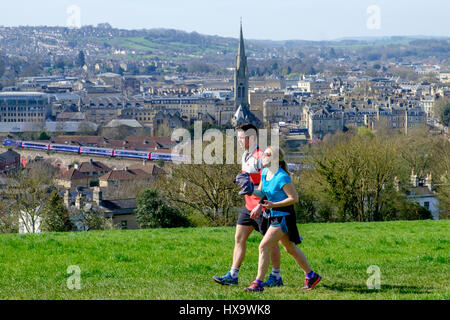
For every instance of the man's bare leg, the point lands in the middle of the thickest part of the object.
(240, 244)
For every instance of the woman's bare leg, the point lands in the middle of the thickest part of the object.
(296, 253)
(270, 240)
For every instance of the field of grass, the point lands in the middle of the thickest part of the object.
(413, 257)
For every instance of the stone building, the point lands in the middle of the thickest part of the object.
(323, 121)
(276, 110)
(24, 107)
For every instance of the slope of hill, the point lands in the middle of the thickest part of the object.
(412, 256)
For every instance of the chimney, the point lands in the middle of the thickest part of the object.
(428, 182)
(67, 198)
(79, 201)
(97, 195)
(414, 179)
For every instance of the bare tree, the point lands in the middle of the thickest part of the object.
(208, 189)
(28, 192)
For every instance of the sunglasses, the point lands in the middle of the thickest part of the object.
(267, 154)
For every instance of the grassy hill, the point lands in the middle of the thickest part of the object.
(413, 257)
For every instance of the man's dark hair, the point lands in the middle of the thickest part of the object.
(246, 127)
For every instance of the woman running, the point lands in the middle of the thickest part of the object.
(277, 186)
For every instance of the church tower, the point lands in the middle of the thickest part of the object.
(241, 105)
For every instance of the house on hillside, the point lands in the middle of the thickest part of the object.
(421, 191)
(9, 160)
(121, 211)
(72, 179)
(119, 178)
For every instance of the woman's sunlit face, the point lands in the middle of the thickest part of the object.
(267, 156)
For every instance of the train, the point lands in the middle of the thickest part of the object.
(95, 151)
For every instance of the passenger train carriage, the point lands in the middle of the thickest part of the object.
(95, 151)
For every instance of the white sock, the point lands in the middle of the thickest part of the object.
(234, 272)
(276, 273)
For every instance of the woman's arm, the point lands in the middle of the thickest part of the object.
(258, 192)
(292, 197)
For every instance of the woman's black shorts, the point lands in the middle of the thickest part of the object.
(287, 223)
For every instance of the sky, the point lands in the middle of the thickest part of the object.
(262, 19)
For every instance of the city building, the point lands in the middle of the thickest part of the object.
(276, 110)
(24, 107)
(323, 121)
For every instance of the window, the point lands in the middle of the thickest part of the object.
(426, 204)
(124, 224)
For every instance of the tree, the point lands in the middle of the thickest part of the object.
(153, 212)
(442, 111)
(357, 171)
(55, 215)
(8, 222)
(29, 190)
(60, 64)
(209, 189)
(443, 179)
(93, 218)
(2, 67)
(44, 136)
(81, 60)
(422, 151)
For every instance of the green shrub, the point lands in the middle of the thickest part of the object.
(55, 215)
(153, 212)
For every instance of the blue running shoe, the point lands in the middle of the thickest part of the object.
(273, 282)
(226, 279)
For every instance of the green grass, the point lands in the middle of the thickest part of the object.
(413, 257)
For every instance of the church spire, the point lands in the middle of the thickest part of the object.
(241, 49)
(241, 74)
(241, 86)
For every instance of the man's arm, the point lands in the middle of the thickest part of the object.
(256, 212)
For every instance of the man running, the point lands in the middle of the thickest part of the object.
(251, 164)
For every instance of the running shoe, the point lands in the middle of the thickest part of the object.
(273, 282)
(311, 283)
(226, 279)
(255, 287)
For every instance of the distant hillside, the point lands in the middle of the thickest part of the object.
(178, 44)
(26, 51)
